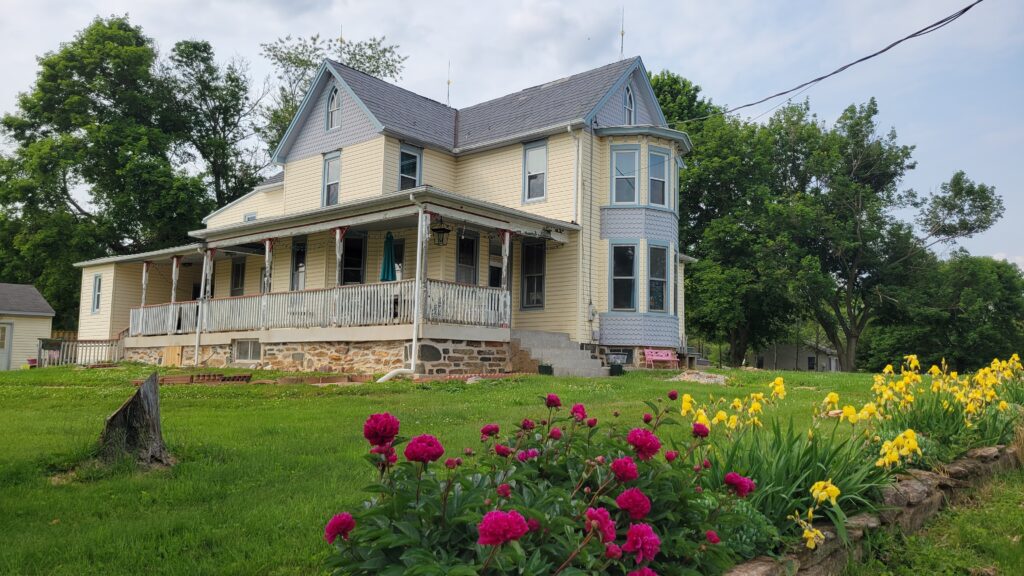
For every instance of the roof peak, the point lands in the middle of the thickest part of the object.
(417, 94)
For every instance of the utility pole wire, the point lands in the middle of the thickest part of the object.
(926, 30)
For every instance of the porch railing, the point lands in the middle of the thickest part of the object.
(53, 352)
(379, 304)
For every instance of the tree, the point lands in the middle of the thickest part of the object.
(218, 115)
(296, 60)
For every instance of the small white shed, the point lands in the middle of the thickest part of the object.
(25, 317)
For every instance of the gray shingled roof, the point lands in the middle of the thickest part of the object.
(23, 299)
(538, 107)
(275, 179)
(401, 111)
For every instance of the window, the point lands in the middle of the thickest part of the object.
(399, 253)
(237, 276)
(657, 278)
(629, 106)
(657, 169)
(467, 254)
(298, 263)
(353, 265)
(534, 257)
(535, 167)
(333, 110)
(246, 350)
(409, 162)
(624, 168)
(624, 277)
(332, 179)
(494, 264)
(249, 217)
(97, 289)
(812, 363)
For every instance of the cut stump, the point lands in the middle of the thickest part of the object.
(134, 428)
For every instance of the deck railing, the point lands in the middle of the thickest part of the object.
(380, 304)
(51, 352)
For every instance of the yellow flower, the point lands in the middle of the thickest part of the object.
(825, 490)
(869, 411)
(1003, 405)
(686, 405)
(755, 408)
(813, 536)
(849, 413)
(720, 417)
(702, 418)
(888, 369)
(832, 400)
(912, 361)
(778, 388)
(736, 404)
(734, 421)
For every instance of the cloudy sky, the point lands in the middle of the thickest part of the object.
(955, 94)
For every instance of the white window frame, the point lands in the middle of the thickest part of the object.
(629, 105)
(635, 151)
(665, 296)
(633, 277)
(249, 217)
(248, 344)
(527, 148)
(663, 177)
(418, 154)
(328, 158)
(333, 109)
(97, 293)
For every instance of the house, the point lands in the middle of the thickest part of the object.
(810, 356)
(538, 227)
(25, 317)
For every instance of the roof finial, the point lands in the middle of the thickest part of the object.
(622, 34)
(448, 95)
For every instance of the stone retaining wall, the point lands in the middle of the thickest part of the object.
(907, 504)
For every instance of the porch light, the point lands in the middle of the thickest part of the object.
(440, 231)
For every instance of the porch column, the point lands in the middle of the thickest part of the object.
(145, 280)
(422, 223)
(506, 290)
(268, 268)
(204, 288)
(339, 253)
(175, 268)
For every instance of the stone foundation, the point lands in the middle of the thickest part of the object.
(456, 357)
(636, 354)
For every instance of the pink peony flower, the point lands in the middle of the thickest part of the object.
(644, 442)
(424, 448)
(599, 519)
(488, 430)
(706, 463)
(698, 489)
(671, 455)
(591, 422)
(600, 459)
(497, 527)
(700, 430)
(635, 502)
(340, 525)
(740, 484)
(502, 450)
(645, 571)
(468, 451)
(555, 434)
(553, 401)
(712, 537)
(453, 463)
(380, 429)
(504, 490)
(530, 454)
(648, 417)
(612, 551)
(527, 424)
(625, 469)
(387, 453)
(673, 395)
(642, 541)
(579, 412)
(532, 525)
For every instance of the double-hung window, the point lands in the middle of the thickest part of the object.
(353, 265)
(629, 106)
(657, 278)
(535, 168)
(409, 167)
(333, 110)
(97, 289)
(238, 276)
(332, 179)
(624, 171)
(468, 251)
(657, 170)
(298, 280)
(534, 265)
(494, 261)
(623, 277)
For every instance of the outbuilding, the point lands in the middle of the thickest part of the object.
(25, 317)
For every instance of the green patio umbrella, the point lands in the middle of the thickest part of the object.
(387, 267)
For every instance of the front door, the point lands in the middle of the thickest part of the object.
(6, 335)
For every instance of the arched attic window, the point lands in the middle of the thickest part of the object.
(333, 109)
(629, 105)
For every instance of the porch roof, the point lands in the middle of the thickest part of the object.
(183, 250)
(391, 208)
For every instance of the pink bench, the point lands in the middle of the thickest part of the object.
(652, 355)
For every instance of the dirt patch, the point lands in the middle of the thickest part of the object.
(701, 378)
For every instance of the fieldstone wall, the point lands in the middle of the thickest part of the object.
(913, 499)
(347, 357)
(637, 355)
(454, 357)
(145, 355)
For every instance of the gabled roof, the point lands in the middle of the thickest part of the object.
(275, 181)
(23, 299)
(272, 180)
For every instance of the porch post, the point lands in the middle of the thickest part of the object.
(339, 253)
(204, 287)
(506, 289)
(175, 268)
(268, 266)
(418, 295)
(145, 280)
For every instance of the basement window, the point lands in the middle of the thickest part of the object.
(246, 350)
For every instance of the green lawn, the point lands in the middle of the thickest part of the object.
(261, 467)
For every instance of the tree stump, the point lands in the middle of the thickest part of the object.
(134, 428)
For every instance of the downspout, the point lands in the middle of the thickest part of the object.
(417, 306)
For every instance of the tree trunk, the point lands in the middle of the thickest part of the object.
(848, 354)
(134, 428)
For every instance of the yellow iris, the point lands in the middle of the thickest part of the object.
(825, 490)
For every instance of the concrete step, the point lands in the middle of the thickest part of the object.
(598, 372)
(556, 349)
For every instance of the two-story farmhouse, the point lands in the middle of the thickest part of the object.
(402, 233)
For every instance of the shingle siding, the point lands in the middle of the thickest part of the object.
(612, 113)
(649, 223)
(618, 329)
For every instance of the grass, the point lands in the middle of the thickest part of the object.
(980, 536)
(261, 467)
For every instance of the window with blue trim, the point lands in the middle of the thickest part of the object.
(409, 167)
(623, 277)
(624, 168)
(97, 289)
(535, 167)
(657, 278)
(657, 169)
(332, 179)
(333, 110)
(534, 268)
(629, 106)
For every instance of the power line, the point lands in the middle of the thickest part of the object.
(806, 85)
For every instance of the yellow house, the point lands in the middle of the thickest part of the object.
(402, 234)
(25, 318)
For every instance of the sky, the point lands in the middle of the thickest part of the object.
(955, 93)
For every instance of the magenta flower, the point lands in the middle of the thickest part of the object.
(555, 434)
(488, 430)
(644, 442)
(706, 463)
(340, 525)
(387, 454)
(532, 525)
(453, 463)
(635, 502)
(673, 395)
(497, 527)
(527, 424)
(671, 455)
(612, 551)
(644, 571)
(504, 490)
(700, 430)
(553, 401)
(712, 537)
(424, 448)
(380, 429)
(591, 422)
(579, 412)
(530, 454)
(502, 450)
(740, 484)
(599, 519)
(642, 541)
(625, 469)
(648, 417)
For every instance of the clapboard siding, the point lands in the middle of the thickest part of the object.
(96, 326)
(264, 204)
(24, 340)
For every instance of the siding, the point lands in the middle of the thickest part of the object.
(265, 204)
(313, 138)
(25, 338)
(561, 291)
(613, 112)
(438, 169)
(95, 326)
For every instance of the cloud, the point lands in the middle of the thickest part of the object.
(1018, 259)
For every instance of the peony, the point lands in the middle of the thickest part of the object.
(648, 417)
(530, 454)
(502, 450)
(340, 525)
(700, 430)
(555, 434)
(504, 490)
(673, 395)
(599, 519)
(527, 424)
(553, 401)
(424, 448)
(625, 469)
(645, 571)
(532, 525)
(579, 412)
(387, 453)
(740, 484)
(612, 551)
(706, 463)
(635, 502)
(380, 429)
(488, 430)
(453, 463)
(642, 541)
(497, 527)
(712, 537)
(671, 455)
(591, 422)
(644, 442)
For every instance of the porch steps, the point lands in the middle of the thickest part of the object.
(533, 347)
